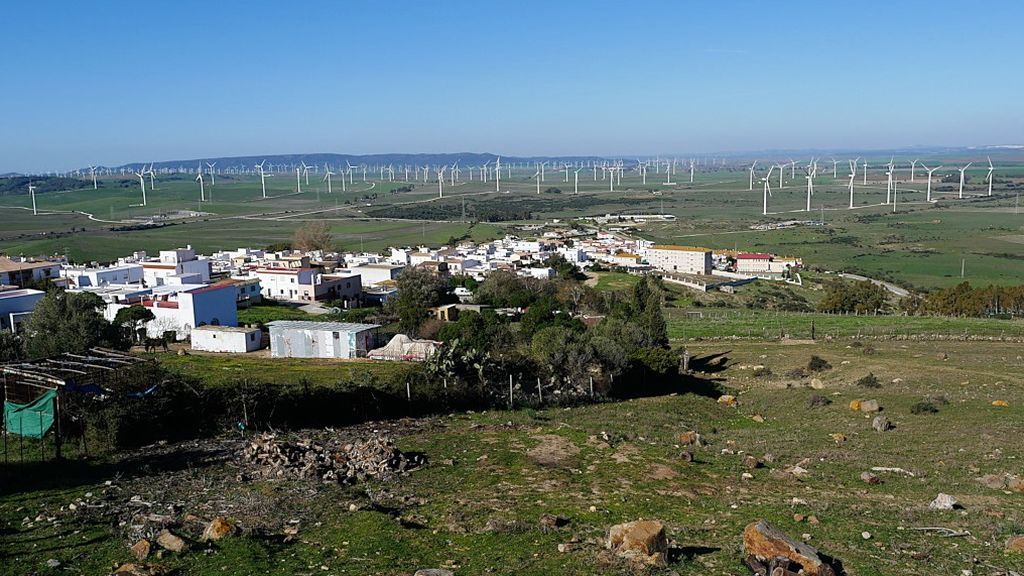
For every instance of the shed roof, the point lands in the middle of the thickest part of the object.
(320, 326)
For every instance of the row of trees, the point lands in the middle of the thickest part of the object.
(862, 297)
(965, 300)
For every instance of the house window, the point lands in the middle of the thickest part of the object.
(337, 336)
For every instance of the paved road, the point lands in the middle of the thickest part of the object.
(901, 292)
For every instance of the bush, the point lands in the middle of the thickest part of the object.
(923, 407)
(869, 381)
(817, 401)
(818, 364)
(763, 372)
(796, 374)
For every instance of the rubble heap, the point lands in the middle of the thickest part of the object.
(268, 457)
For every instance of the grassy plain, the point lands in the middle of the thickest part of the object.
(491, 475)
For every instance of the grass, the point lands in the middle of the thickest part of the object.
(483, 472)
(221, 368)
(615, 281)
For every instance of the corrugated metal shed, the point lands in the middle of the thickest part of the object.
(308, 339)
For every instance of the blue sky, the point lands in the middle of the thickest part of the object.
(114, 82)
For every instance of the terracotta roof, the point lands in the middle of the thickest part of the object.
(8, 265)
(754, 256)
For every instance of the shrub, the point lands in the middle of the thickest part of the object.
(763, 372)
(817, 401)
(869, 381)
(818, 364)
(923, 407)
(796, 373)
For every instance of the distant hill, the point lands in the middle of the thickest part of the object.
(339, 160)
(18, 185)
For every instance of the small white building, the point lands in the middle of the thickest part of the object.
(16, 306)
(234, 339)
(171, 263)
(375, 274)
(82, 276)
(679, 259)
(305, 339)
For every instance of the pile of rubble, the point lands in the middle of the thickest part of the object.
(269, 457)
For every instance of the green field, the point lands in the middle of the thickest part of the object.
(490, 476)
(922, 245)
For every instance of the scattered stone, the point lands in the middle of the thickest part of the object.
(881, 424)
(870, 406)
(376, 457)
(727, 399)
(642, 541)
(813, 520)
(690, 438)
(141, 549)
(433, 572)
(751, 462)
(944, 502)
(767, 548)
(53, 563)
(686, 456)
(865, 535)
(870, 478)
(817, 384)
(551, 521)
(1015, 543)
(218, 528)
(798, 517)
(1001, 403)
(942, 356)
(170, 542)
(855, 405)
(757, 418)
(817, 401)
(746, 476)
(132, 569)
(838, 437)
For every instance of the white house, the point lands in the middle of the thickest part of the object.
(309, 285)
(182, 308)
(103, 275)
(679, 259)
(173, 263)
(16, 306)
(234, 339)
(764, 264)
(19, 271)
(303, 339)
(375, 274)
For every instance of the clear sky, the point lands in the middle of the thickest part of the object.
(112, 82)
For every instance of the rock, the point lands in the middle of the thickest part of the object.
(170, 542)
(1015, 543)
(865, 535)
(855, 405)
(642, 541)
(551, 521)
(433, 572)
(764, 544)
(812, 519)
(1001, 403)
(690, 438)
(798, 517)
(141, 549)
(942, 356)
(746, 476)
(132, 569)
(838, 437)
(53, 563)
(870, 478)
(218, 528)
(757, 418)
(1015, 483)
(944, 502)
(727, 399)
(881, 424)
(817, 384)
(870, 406)
(751, 462)
(994, 481)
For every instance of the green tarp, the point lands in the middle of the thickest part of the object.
(31, 420)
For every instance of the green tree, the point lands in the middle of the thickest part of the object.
(12, 348)
(132, 319)
(68, 322)
(418, 291)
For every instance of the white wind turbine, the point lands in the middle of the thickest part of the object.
(298, 180)
(536, 175)
(565, 167)
(962, 170)
(213, 179)
(32, 192)
(691, 171)
(305, 172)
(639, 166)
(497, 174)
(576, 181)
(142, 183)
(263, 177)
(864, 167)
(152, 182)
(930, 171)
(810, 185)
(888, 185)
(327, 178)
(668, 175)
(835, 163)
(202, 187)
(751, 185)
(852, 176)
(440, 182)
(92, 170)
(767, 189)
(991, 168)
(913, 168)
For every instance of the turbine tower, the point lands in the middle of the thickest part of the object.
(767, 189)
(32, 192)
(327, 178)
(202, 187)
(962, 170)
(913, 168)
(263, 178)
(92, 169)
(752, 166)
(576, 181)
(536, 175)
(213, 179)
(989, 176)
(930, 171)
(142, 183)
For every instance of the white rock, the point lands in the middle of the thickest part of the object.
(944, 502)
(865, 535)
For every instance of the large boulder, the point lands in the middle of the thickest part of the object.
(170, 541)
(218, 528)
(870, 406)
(1015, 544)
(133, 569)
(642, 541)
(765, 545)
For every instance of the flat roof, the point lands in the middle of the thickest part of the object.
(210, 328)
(321, 326)
(20, 292)
(9, 265)
(681, 248)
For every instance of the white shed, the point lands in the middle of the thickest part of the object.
(226, 339)
(308, 339)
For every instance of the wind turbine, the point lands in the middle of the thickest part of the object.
(835, 163)
(213, 179)
(202, 187)
(32, 192)
(576, 181)
(142, 183)
(668, 175)
(305, 172)
(962, 170)
(691, 171)
(752, 166)
(497, 174)
(327, 178)
(263, 178)
(298, 180)
(537, 176)
(930, 171)
(888, 185)
(92, 169)
(864, 166)
(440, 182)
(152, 182)
(989, 177)
(913, 167)
(810, 185)
(852, 176)
(767, 189)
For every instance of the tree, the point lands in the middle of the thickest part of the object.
(418, 291)
(68, 322)
(314, 235)
(12, 348)
(132, 318)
